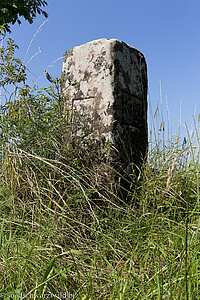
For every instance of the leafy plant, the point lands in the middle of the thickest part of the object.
(12, 10)
(12, 71)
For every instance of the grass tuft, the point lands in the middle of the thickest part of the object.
(57, 238)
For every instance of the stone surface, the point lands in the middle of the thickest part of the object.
(111, 94)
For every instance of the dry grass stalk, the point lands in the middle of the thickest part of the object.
(171, 173)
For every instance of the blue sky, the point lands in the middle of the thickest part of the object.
(167, 32)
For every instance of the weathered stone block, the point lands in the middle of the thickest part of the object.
(112, 95)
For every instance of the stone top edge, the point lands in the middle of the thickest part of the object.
(110, 41)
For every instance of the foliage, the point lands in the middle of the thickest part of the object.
(32, 117)
(36, 120)
(12, 70)
(12, 10)
(19, 117)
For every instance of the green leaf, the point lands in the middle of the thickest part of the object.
(47, 273)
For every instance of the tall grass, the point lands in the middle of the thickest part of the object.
(56, 237)
(66, 234)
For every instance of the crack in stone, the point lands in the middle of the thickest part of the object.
(81, 99)
(132, 95)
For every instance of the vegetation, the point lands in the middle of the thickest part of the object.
(63, 233)
(12, 10)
